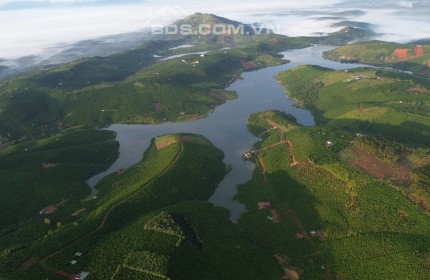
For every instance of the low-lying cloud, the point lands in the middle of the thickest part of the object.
(45, 31)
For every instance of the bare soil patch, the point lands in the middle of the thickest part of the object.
(261, 163)
(379, 169)
(276, 219)
(49, 165)
(163, 144)
(248, 64)
(220, 96)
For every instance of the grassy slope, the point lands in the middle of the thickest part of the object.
(368, 236)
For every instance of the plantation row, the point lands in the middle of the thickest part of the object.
(367, 229)
(164, 223)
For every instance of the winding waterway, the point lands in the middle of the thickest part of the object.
(226, 126)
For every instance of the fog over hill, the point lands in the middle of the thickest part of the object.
(44, 32)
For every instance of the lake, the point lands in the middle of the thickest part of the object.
(226, 126)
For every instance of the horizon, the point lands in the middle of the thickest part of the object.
(49, 29)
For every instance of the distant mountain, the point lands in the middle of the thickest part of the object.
(211, 29)
(354, 24)
(350, 34)
(102, 46)
(198, 18)
(217, 23)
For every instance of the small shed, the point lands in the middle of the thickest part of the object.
(82, 275)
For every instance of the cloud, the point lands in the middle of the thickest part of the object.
(27, 32)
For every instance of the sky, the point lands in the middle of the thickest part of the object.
(34, 27)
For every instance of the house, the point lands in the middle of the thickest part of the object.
(428, 64)
(328, 143)
(78, 254)
(247, 156)
(247, 64)
(264, 205)
(73, 262)
(48, 210)
(419, 51)
(81, 275)
(401, 54)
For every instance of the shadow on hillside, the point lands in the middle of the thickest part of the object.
(291, 237)
(408, 132)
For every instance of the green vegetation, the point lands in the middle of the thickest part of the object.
(164, 223)
(171, 90)
(136, 87)
(363, 100)
(364, 228)
(40, 173)
(392, 111)
(148, 223)
(147, 262)
(381, 53)
(330, 215)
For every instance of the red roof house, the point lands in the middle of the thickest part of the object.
(247, 64)
(428, 63)
(419, 51)
(48, 210)
(264, 205)
(401, 54)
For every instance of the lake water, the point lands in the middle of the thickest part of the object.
(226, 126)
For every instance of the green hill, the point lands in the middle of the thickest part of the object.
(323, 217)
(37, 174)
(134, 86)
(147, 221)
(381, 54)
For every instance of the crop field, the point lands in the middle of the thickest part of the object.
(363, 227)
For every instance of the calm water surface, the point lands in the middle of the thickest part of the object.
(226, 126)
